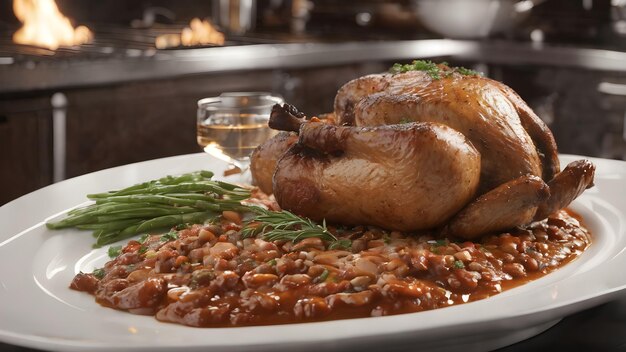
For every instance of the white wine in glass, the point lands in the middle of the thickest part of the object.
(231, 126)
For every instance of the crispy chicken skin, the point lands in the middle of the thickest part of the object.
(389, 176)
(506, 206)
(512, 140)
(264, 158)
(567, 186)
(461, 154)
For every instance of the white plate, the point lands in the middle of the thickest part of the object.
(38, 310)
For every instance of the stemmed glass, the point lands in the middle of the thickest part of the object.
(232, 125)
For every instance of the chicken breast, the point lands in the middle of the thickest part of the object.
(512, 140)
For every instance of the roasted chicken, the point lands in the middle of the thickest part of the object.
(405, 155)
(512, 140)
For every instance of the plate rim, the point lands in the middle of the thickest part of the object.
(556, 311)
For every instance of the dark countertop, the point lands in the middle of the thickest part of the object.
(16, 77)
(602, 328)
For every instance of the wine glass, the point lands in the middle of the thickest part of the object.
(232, 125)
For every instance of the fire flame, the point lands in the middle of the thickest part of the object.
(199, 32)
(45, 26)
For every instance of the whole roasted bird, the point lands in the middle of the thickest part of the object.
(438, 148)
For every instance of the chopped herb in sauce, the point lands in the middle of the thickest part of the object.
(99, 273)
(170, 236)
(114, 251)
(182, 226)
(438, 243)
(323, 276)
(459, 264)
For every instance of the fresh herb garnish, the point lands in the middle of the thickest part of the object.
(418, 65)
(466, 71)
(323, 276)
(341, 244)
(114, 251)
(438, 243)
(143, 238)
(98, 273)
(285, 225)
(271, 262)
(435, 71)
(142, 250)
(459, 264)
(181, 226)
(170, 236)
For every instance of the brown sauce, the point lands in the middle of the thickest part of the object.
(209, 276)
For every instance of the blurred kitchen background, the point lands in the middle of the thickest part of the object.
(118, 82)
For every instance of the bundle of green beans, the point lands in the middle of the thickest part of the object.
(169, 201)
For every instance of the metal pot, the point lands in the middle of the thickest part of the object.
(467, 19)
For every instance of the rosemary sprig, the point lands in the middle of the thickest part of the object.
(285, 225)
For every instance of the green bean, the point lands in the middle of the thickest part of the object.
(194, 196)
(167, 180)
(193, 176)
(105, 238)
(145, 214)
(71, 221)
(161, 203)
(111, 225)
(171, 220)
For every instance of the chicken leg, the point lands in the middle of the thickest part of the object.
(403, 177)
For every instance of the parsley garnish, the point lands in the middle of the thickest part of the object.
(418, 65)
(438, 243)
(272, 262)
(143, 238)
(114, 251)
(323, 276)
(170, 236)
(181, 226)
(435, 71)
(98, 273)
(459, 264)
(467, 71)
(142, 250)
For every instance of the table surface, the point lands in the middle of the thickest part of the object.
(602, 328)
